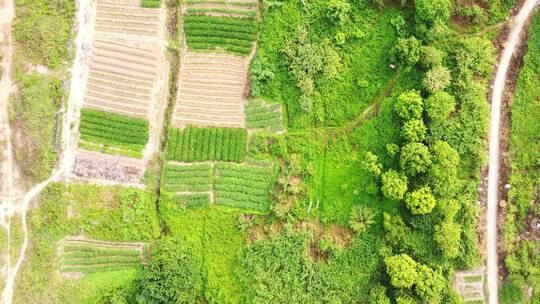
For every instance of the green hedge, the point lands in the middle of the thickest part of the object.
(187, 178)
(205, 144)
(244, 186)
(114, 130)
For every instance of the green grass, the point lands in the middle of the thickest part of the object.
(263, 115)
(114, 130)
(243, 186)
(205, 144)
(195, 178)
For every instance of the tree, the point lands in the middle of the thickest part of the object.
(395, 228)
(415, 158)
(361, 218)
(439, 105)
(409, 105)
(371, 164)
(430, 284)
(414, 130)
(172, 276)
(429, 11)
(405, 299)
(420, 201)
(337, 11)
(442, 175)
(407, 51)
(431, 57)
(402, 270)
(377, 295)
(437, 79)
(448, 237)
(394, 185)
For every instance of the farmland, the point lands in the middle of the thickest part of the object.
(243, 151)
(82, 256)
(211, 143)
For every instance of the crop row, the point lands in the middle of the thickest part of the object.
(244, 187)
(113, 130)
(187, 178)
(210, 143)
(260, 115)
(100, 268)
(245, 13)
(101, 260)
(235, 35)
(92, 250)
(238, 3)
(151, 3)
(193, 200)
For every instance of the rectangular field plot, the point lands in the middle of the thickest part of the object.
(187, 178)
(104, 132)
(264, 115)
(128, 17)
(205, 144)
(207, 33)
(83, 256)
(244, 186)
(211, 91)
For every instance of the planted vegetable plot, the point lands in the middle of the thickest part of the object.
(105, 131)
(90, 257)
(193, 200)
(244, 186)
(263, 115)
(192, 178)
(235, 35)
(204, 144)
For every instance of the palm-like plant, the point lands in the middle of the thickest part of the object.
(361, 218)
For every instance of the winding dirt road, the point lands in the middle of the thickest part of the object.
(514, 39)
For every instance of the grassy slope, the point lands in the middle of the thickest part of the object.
(105, 213)
(524, 163)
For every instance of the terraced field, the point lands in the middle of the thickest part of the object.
(89, 256)
(126, 87)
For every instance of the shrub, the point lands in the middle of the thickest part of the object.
(437, 79)
(407, 51)
(337, 11)
(430, 11)
(420, 201)
(448, 237)
(414, 130)
(415, 158)
(394, 185)
(442, 175)
(402, 270)
(439, 106)
(430, 284)
(409, 105)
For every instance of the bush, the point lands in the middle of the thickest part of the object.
(407, 51)
(415, 158)
(173, 275)
(439, 106)
(402, 270)
(409, 105)
(394, 185)
(414, 130)
(437, 79)
(430, 11)
(420, 201)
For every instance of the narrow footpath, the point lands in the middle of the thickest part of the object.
(513, 40)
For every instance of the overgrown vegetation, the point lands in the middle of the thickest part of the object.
(520, 234)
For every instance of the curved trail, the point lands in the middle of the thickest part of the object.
(512, 42)
(62, 172)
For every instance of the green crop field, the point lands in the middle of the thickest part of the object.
(193, 178)
(108, 130)
(263, 115)
(204, 144)
(244, 186)
(235, 35)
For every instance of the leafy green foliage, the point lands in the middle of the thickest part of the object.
(394, 185)
(409, 105)
(442, 175)
(407, 51)
(33, 112)
(437, 79)
(430, 11)
(414, 130)
(377, 295)
(402, 270)
(337, 11)
(187, 178)
(209, 143)
(115, 130)
(439, 106)
(448, 236)
(172, 275)
(235, 35)
(415, 158)
(43, 28)
(244, 186)
(263, 115)
(371, 164)
(430, 284)
(151, 3)
(420, 201)
(361, 218)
